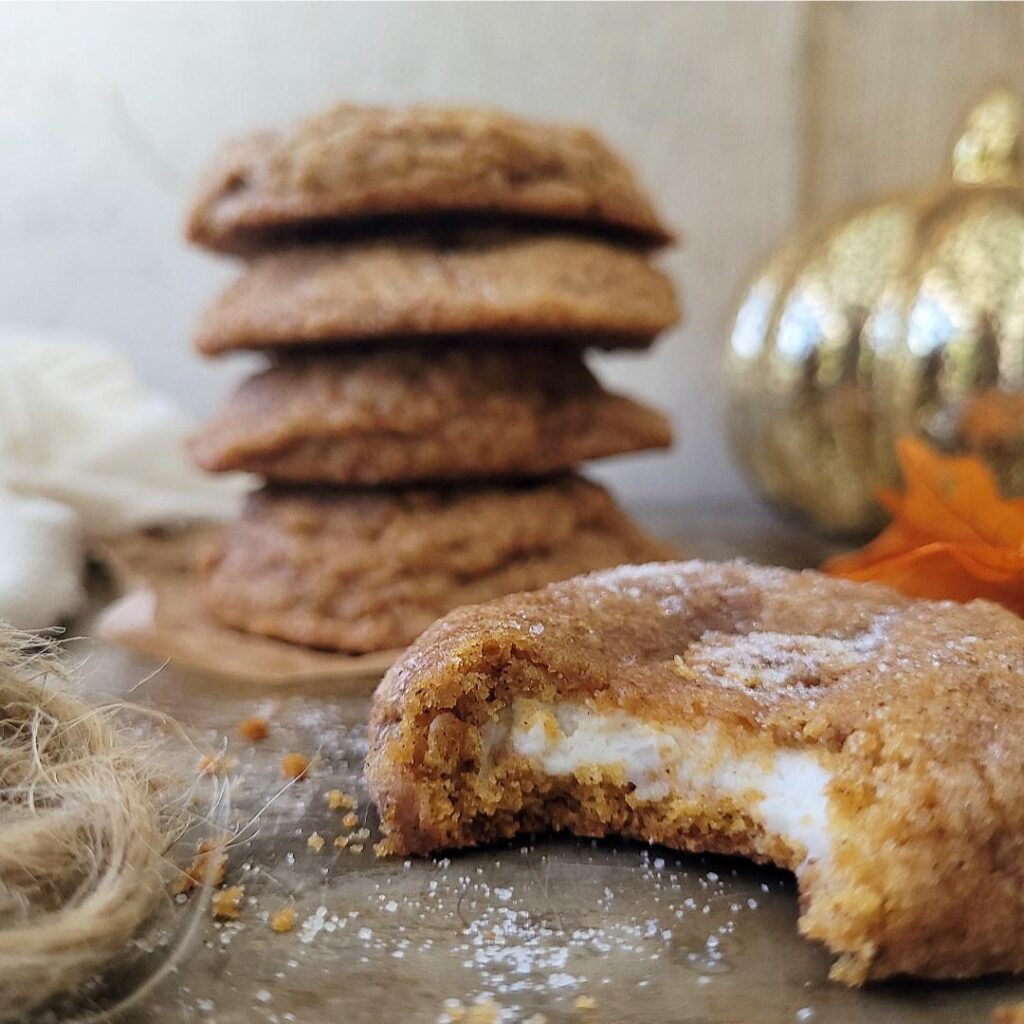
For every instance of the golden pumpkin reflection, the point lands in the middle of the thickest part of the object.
(906, 317)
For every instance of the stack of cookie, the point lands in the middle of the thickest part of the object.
(424, 282)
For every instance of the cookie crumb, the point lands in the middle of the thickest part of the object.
(315, 842)
(252, 730)
(340, 801)
(585, 1003)
(196, 873)
(283, 920)
(227, 904)
(341, 842)
(350, 820)
(294, 766)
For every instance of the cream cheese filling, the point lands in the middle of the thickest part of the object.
(783, 790)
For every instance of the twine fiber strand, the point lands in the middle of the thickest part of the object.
(84, 824)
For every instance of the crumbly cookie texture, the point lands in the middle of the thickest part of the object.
(351, 163)
(368, 570)
(870, 743)
(406, 416)
(572, 290)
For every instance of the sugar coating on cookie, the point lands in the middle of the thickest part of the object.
(484, 284)
(412, 416)
(871, 744)
(367, 570)
(351, 164)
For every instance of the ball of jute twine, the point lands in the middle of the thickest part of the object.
(85, 822)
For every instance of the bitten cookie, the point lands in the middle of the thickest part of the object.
(362, 571)
(872, 744)
(576, 290)
(351, 164)
(411, 416)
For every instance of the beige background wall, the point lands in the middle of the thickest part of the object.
(741, 118)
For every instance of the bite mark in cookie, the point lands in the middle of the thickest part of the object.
(869, 743)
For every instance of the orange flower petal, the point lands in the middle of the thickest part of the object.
(935, 572)
(956, 498)
(953, 536)
(988, 562)
(895, 539)
(890, 501)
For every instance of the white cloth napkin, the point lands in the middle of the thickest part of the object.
(85, 451)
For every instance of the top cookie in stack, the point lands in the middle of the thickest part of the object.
(353, 164)
(424, 281)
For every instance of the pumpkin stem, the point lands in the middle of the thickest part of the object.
(988, 150)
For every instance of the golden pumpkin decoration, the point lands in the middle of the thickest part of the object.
(906, 317)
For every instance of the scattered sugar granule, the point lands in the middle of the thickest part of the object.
(315, 842)
(350, 820)
(339, 801)
(264, 996)
(356, 848)
(294, 766)
(584, 1003)
(283, 920)
(341, 842)
(227, 903)
(210, 858)
(252, 730)
(561, 980)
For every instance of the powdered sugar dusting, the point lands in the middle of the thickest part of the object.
(775, 661)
